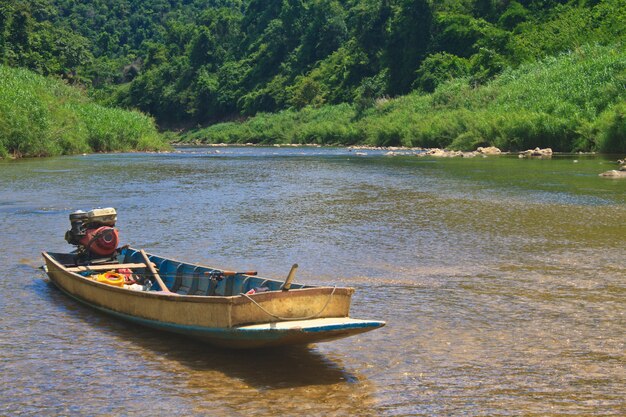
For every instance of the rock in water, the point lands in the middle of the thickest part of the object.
(489, 150)
(614, 174)
(546, 152)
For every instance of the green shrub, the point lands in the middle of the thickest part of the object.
(567, 103)
(513, 16)
(41, 116)
(438, 68)
(612, 125)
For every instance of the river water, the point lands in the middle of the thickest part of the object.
(502, 282)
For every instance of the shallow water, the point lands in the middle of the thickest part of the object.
(501, 281)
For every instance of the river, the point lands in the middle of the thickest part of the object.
(502, 282)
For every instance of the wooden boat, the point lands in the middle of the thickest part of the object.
(223, 308)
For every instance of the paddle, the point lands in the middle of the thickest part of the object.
(290, 277)
(154, 272)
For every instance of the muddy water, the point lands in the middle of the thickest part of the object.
(502, 282)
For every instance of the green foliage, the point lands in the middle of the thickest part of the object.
(457, 33)
(201, 61)
(115, 129)
(326, 125)
(370, 90)
(574, 102)
(569, 27)
(306, 92)
(513, 16)
(439, 68)
(28, 39)
(408, 43)
(612, 128)
(324, 33)
(40, 116)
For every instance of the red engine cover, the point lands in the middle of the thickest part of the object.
(101, 241)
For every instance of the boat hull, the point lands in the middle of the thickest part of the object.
(274, 318)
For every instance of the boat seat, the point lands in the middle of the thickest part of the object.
(178, 279)
(198, 283)
(189, 283)
(228, 291)
(204, 283)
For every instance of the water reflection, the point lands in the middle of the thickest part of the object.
(259, 376)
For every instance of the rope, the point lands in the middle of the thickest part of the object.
(292, 318)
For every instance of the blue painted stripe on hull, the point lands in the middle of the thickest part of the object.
(330, 327)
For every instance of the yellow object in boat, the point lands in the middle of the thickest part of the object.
(111, 278)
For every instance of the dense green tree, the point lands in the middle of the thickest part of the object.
(513, 16)
(408, 42)
(5, 14)
(439, 68)
(202, 48)
(306, 92)
(457, 34)
(201, 61)
(20, 34)
(369, 25)
(486, 9)
(324, 33)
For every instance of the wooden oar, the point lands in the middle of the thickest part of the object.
(290, 277)
(154, 272)
(231, 273)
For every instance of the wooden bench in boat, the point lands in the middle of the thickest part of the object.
(105, 267)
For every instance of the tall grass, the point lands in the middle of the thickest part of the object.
(41, 116)
(326, 125)
(572, 102)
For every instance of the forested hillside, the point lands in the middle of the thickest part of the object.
(197, 62)
(205, 60)
(575, 102)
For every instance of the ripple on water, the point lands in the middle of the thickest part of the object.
(501, 282)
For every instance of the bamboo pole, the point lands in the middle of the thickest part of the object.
(154, 272)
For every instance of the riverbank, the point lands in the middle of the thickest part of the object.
(392, 150)
(42, 116)
(569, 103)
(400, 151)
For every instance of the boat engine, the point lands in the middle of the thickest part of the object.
(93, 231)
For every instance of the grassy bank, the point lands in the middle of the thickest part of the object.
(573, 102)
(41, 116)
